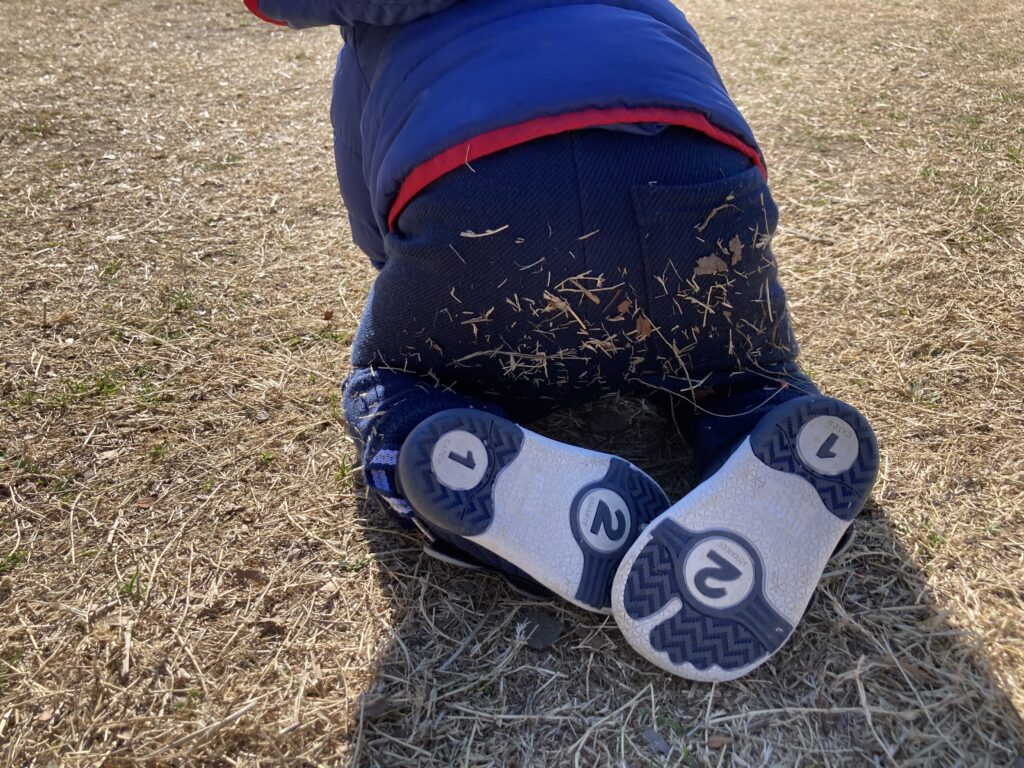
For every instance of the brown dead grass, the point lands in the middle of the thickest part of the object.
(187, 573)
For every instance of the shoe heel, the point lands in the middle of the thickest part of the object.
(448, 464)
(826, 442)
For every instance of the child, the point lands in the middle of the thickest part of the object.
(564, 203)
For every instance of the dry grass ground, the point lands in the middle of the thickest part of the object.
(188, 574)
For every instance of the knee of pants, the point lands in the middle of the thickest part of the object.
(360, 400)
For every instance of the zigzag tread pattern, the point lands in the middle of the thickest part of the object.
(466, 513)
(690, 637)
(651, 582)
(843, 495)
(648, 498)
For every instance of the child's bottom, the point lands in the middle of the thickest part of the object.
(571, 268)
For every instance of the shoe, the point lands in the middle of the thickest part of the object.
(716, 585)
(563, 515)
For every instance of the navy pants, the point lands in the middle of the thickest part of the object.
(570, 268)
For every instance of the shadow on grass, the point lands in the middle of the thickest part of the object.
(875, 674)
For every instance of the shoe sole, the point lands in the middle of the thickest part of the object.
(716, 585)
(564, 515)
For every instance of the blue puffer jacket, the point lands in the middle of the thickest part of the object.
(424, 86)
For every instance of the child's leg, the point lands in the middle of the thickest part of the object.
(468, 308)
(717, 583)
(493, 493)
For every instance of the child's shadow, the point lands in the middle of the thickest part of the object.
(875, 674)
